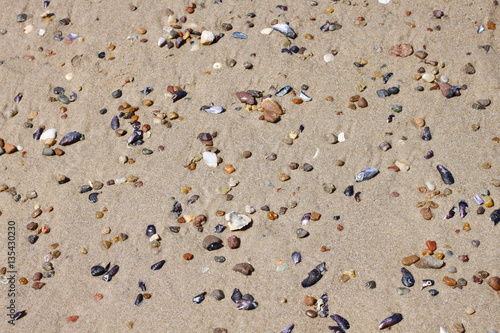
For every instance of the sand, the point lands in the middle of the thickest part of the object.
(378, 231)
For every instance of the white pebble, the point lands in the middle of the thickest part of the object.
(328, 57)
(204, 269)
(195, 47)
(441, 330)
(42, 32)
(49, 134)
(402, 166)
(341, 137)
(266, 31)
(217, 65)
(154, 237)
(384, 2)
(207, 37)
(444, 79)
(28, 29)
(120, 180)
(470, 310)
(233, 182)
(430, 186)
(69, 76)
(210, 159)
(249, 209)
(427, 77)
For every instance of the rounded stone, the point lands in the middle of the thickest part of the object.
(233, 242)
(117, 93)
(209, 240)
(311, 313)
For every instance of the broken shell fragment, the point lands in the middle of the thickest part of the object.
(210, 159)
(71, 138)
(212, 109)
(237, 221)
(366, 174)
(285, 30)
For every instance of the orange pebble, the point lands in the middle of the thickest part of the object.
(228, 168)
(72, 319)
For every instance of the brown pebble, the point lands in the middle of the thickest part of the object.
(449, 281)
(32, 226)
(393, 168)
(220, 330)
(362, 103)
(181, 220)
(3, 270)
(407, 261)
(309, 300)
(311, 313)
(463, 258)
(36, 213)
(315, 216)
(272, 215)
(23, 281)
(233, 242)
(431, 245)
(419, 122)
(187, 256)
(9, 149)
(395, 194)
(494, 282)
(244, 268)
(247, 154)
(37, 276)
(210, 239)
(426, 213)
(72, 319)
(200, 220)
(98, 297)
(45, 229)
(38, 285)
(146, 295)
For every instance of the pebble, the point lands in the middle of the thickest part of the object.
(117, 93)
(302, 233)
(382, 93)
(403, 291)
(209, 241)
(218, 294)
(407, 261)
(233, 242)
(429, 262)
(311, 313)
(244, 268)
(494, 283)
(452, 269)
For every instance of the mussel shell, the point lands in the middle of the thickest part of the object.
(366, 174)
(158, 265)
(495, 216)
(283, 91)
(445, 175)
(341, 321)
(288, 329)
(70, 138)
(246, 305)
(313, 277)
(115, 123)
(214, 246)
(138, 300)
(236, 296)
(19, 315)
(212, 109)
(142, 285)
(199, 298)
(97, 270)
(285, 30)
(296, 257)
(462, 207)
(112, 272)
(407, 279)
(390, 321)
(178, 95)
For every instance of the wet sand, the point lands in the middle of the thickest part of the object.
(378, 231)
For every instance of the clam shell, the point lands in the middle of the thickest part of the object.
(285, 30)
(237, 221)
(49, 134)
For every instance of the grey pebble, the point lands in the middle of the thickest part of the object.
(382, 93)
(302, 233)
(475, 243)
(48, 152)
(403, 291)
(117, 93)
(452, 269)
(147, 151)
(21, 17)
(32, 239)
(63, 99)
(371, 284)
(217, 294)
(308, 167)
(220, 259)
(433, 292)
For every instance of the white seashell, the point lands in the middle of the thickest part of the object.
(341, 137)
(384, 2)
(441, 330)
(249, 209)
(444, 79)
(154, 237)
(121, 180)
(328, 57)
(69, 76)
(266, 31)
(207, 37)
(49, 134)
(217, 65)
(42, 32)
(210, 159)
(304, 97)
(237, 221)
(402, 166)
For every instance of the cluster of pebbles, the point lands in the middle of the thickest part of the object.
(133, 126)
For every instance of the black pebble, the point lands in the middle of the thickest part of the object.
(32, 239)
(101, 55)
(65, 21)
(70, 138)
(158, 265)
(85, 188)
(93, 197)
(420, 88)
(308, 167)
(294, 49)
(150, 230)
(495, 216)
(433, 292)
(349, 190)
(117, 93)
(214, 246)
(336, 217)
(59, 90)
(393, 90)
(103, 111)
(174, 229)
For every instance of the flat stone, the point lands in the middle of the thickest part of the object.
(244, 268)
(494, 282)
(245, 97)
(407, 261)
(271, 117)
(302, 233)
(429, 262)
(217, 294)
(268, 104)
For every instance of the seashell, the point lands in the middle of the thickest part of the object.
(246, 305)
(237, 221)
(304, 97)
(407, 279)
(142, 285)
(495, 216)
(162, 42)
(177, 208)
(239, 35)
(285, 30)
(115, 123)
(72, 36)
(210, 159)
(71, 138)
(391, 321)
(288, 329)
(212, 109)
(325, 26)
(283, 91)
(451, 213)
(341, 321)
(158, 265)
(236, 296)
(199, 298)
(328, 57)
(462, 208)
(97, 270)
(112, 272)
(313, 277)
(445, 175)
(18, 98)
(426, 136)
(478, 199)
(138, 300)
(19, 315)
(366, 174)
(296, 257)
(49, 134)
(336, 329)
(150, 230)
(427, 283)
(178, 95)
(305, 219)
